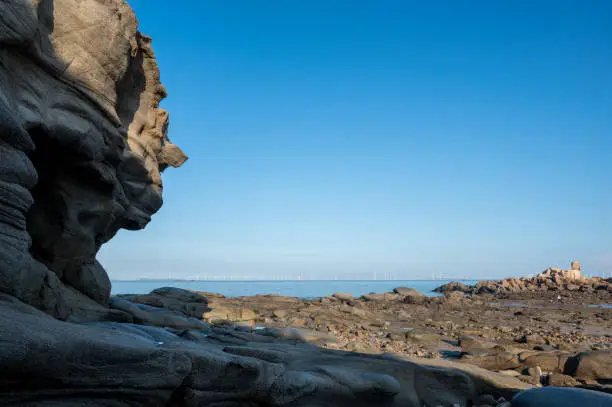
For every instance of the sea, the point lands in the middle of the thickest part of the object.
(300, 288)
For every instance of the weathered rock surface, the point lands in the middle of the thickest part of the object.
(82, 142)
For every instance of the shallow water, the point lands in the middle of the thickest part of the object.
(600, 305)
(300, 289)
(517, 304)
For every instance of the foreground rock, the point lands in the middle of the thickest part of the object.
(119, 364)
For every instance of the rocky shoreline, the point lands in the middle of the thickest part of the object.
(83, 143)
(547, 341)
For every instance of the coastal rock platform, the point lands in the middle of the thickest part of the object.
(83, 143)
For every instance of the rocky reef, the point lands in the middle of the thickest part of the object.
(82, 145)
(551, 280)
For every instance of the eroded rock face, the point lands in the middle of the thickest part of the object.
(82, 145)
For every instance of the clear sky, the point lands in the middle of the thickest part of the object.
(469, 138)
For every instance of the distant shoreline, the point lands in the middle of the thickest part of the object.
(274, 281)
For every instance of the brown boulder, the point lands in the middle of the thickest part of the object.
(410, 295)
(595, 365)
(532, 339)
(561, 380)
(343, 296)
(548, 361)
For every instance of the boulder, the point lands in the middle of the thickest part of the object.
(532, 339)
(343, 296)
(594, 365)
(548, 361)
(410, 295)
(485, 381)
(561, 397)
(379, 297)
(453, 286)
(561, 380)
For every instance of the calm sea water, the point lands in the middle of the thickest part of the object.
(301, 289)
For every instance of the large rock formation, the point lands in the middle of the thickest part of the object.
(82, 146)
(83, 143)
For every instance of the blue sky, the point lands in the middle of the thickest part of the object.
(469, 138)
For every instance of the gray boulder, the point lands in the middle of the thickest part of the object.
(561, 397)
